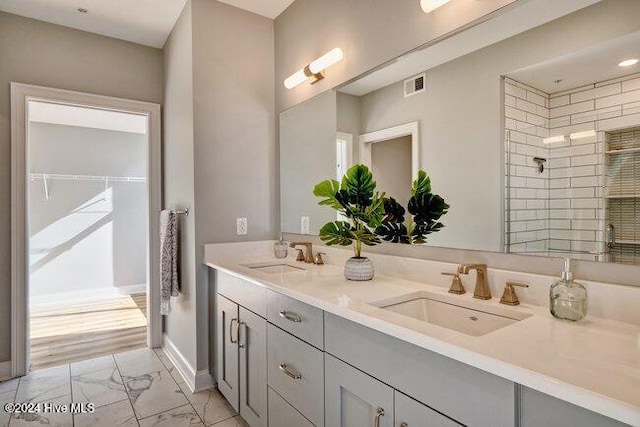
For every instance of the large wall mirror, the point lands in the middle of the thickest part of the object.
(532, 139)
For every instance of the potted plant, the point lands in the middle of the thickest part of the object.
(370, 216)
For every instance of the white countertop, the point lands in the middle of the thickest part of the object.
(594, 363)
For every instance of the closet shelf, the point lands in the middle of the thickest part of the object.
(52, 176)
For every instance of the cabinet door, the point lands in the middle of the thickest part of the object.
(253, 368)
(227, 350)
(411, 413)
(281, 414)
(354, 399)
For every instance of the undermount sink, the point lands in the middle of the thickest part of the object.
(278, 267)
(467, 317)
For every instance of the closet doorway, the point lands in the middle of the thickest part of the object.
(86, 192)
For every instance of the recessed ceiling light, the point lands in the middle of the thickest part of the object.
(431, 5)
(628, 62)
(82, 10)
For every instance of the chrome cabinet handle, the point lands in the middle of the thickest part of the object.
(231, 331)
(290, 372)
(243, 324)
(292, 317)
(379, 414)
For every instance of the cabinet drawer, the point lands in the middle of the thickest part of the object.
(296, 372)
(297, 318)
(246, 294)
(281, 414)
(411, 413)
(469, 395)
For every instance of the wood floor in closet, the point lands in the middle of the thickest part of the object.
(63, 333)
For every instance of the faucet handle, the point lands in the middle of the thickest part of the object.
(509, 296)
(456, 284)
(319, 260)
(300, 256)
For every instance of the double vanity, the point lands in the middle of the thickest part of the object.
(298, 345)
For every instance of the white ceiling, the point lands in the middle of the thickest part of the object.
(514, 20)
(69, 115)
(269, 8)
(595, 64)
(147, 22)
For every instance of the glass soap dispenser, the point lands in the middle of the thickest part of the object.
(280, 248)
(568, 299)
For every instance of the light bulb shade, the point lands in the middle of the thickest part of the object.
(431, 5)
(552, 139)
(584, 134)
(295, 79)
(326, 60)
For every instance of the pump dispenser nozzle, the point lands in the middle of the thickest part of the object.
(567, 274)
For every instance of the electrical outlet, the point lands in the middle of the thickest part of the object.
(304, 224)
(241, 226)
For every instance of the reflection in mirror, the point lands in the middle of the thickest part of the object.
(579, 116)
(482, 120)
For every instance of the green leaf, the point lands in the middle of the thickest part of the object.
(328, 190)
(359, 186)
(394, 232)
(337, 233)
(422, 184)
(365, 236)
(394, 212)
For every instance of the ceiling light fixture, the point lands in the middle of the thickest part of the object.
(628, 62)
(315, 69)
(431, 5)
(82, 10)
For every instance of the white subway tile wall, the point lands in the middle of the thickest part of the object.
(562, 208)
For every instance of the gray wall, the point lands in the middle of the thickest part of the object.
(68, 59)
(92, 244)
(307, 156)
(178, 164)
(220, 149)
(369, 33)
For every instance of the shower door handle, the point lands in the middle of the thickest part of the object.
(611, 236)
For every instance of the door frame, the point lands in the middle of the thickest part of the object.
(411, 129)
(21, 94)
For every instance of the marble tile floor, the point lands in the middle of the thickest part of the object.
(136, 388)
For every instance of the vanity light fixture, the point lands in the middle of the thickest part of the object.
(552, 139)
(583, 134)
(431, 5)
(315, 69)
(628, 62)
(575, 135)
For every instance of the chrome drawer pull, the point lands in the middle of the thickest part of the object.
(231, 331)
(290, 316)
(379, 413)
(293, 374)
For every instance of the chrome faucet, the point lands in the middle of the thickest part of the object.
(308, 257)
(482, 290)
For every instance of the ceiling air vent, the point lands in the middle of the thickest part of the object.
(415, 85)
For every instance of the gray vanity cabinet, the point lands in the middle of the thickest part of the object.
(411, 413)
(242, 350)
(538, 409)
(354, 399)
(227, 347)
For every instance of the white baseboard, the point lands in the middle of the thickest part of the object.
(5, 370)
(196, 381)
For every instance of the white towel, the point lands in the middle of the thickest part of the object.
(169, 276)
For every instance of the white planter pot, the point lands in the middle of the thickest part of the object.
(358, 269)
